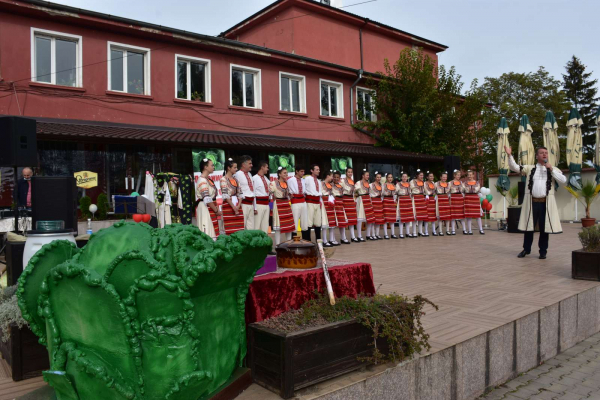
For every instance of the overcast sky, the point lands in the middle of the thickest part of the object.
(485, 37)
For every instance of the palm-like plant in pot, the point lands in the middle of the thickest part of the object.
(586, 196)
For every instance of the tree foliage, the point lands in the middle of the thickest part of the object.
(581, 92)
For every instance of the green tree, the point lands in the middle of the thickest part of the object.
(513, 94)
(582, 93)
(420, 108)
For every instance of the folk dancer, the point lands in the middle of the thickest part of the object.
(297, 191)
(313, 200)
(340, 214)
(283, 219)
(350, 203)
(431, 204)
(539, 207)
(406, 213)
(471, 190)
(260, 181)
(364, 207)
(389, 206)
(233, 216)
(244, 178)
(377, 201)
(442, 190)
(328, 220)
(457, 202)
(417, 189)
(207, 210)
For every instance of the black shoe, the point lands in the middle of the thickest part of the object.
(394, 237)
(426, 234)
(378, 237)
(334, 243)
(345, 241)
(355, 240)
(401, 236)
(272, 253)
(453, 233)
(362, 239)
(542, 256)
(441, 234)
(522, 254)
(434, 234)
(465, 233)
(386, 237)
(369, 238)
(448, 233)
(482, 232)
(470, 233)
(327, 244)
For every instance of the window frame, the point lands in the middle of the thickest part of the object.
(339, 99)
(53, 35)
(257, 85)
(302, 99)
(207, 76)
(136, 49)
(364, 89)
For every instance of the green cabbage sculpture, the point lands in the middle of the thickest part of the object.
(142, 313)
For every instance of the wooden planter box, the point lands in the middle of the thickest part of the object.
(514, 213)
(26, 357)
(285, 362)
(585, 265)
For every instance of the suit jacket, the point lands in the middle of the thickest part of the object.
(21, 192)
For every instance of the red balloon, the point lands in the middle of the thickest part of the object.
(137, 217)
(484, 204)
(146, 218)
(489, 206)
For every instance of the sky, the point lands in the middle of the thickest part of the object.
(486, 38)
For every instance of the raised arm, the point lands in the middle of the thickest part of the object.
(511, 161)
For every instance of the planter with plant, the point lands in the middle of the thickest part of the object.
(514, 209)
(318, 342)
(586, 196)
(84, 207)
(585, 263)
(18, 345)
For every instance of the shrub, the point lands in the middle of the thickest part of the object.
(10, 313)
(590, 238)
(513, 196)
(84, 207)
(103, 206)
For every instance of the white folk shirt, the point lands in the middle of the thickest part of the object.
(293, 186)
(260, 190)
(244, 185)
(312, 186)
(540, 178)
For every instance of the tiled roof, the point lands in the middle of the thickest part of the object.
(50, 130)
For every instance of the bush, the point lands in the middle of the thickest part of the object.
(84, 207)
(103, 206)
(10, 313)
(590, 238)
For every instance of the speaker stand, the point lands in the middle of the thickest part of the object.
(16, 199)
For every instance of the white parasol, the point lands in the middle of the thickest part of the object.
(503, 132)
(526, 149)
(574, 147)
(551, 138)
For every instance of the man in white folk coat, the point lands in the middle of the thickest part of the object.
(539, 205)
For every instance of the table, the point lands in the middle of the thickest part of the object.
(270, 295)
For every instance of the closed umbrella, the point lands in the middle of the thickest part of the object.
(526, 149)
(574, 143)
(597, 157)
(551, 139)
(503, 132)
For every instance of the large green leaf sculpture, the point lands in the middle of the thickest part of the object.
(142, 313)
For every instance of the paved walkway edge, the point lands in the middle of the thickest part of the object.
(469, 369)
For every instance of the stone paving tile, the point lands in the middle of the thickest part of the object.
(568, 376)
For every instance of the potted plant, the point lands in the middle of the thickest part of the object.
(18, 345)
(586, 196)
(585, 263)
(514, 210)
(302, 347)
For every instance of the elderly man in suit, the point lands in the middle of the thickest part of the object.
(23, 189)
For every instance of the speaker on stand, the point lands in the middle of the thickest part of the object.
(450, 164)
(54, 198)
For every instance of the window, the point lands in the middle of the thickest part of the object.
(332, 99)
(56, 58)
(364, 105)
(192, 78)
(245, 87)
(128, 69)
(292, 92)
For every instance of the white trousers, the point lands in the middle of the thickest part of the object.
(248, 210)
(314, 215)
(261, 219)
(300, 213)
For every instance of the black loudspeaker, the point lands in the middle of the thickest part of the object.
(54, 198)
(450, 164)
(18, 142)
(521, 187)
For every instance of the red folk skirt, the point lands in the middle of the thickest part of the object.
(457, 205)
(444, 210)
(405, 206)
(231, 222)
(340, 214)
(368, 208)
(214, 220)
(472, 206)
(330, 212)
(286, 218)
(350, 209)
(431, 210)
(389, 210)
(378, 209)
(420, 207)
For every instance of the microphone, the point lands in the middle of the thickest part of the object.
(545, 161)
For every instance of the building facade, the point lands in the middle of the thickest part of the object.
(120, 97)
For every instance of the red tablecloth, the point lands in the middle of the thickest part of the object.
(270, 295)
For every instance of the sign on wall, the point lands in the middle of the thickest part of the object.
(284, 160)
(86, 179)
(218, 158)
